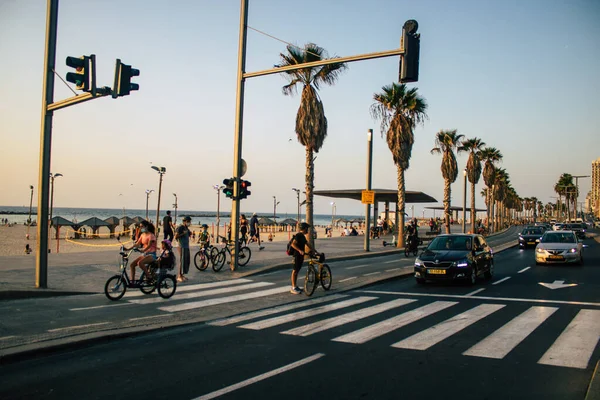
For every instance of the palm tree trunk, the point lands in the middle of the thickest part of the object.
(473, 208)
(447, 192)
(492, 211)
(310, 176)
(400, 207)
(488, 204)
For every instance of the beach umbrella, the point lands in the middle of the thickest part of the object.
(127, 221)
(112, 221)
(60, 221)
(94, 222)
(265, 221)
(137, 220)
(288, 221)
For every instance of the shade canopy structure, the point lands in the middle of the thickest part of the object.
(112, 221)
(457, 208)
(60, 221)
(288, 221)
(381, 195)
(137, 220)
(127, 221)
(93, 222)
(265, 221)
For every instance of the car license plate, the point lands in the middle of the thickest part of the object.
(555, 257)
(530, 242)
(436, 271)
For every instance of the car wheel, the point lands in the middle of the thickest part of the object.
(489, 274)
(473, 276)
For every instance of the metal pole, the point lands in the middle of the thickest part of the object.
(51, 197)
(298, 197)
(175, 206)
(464, 222)
(239, 122)
(30, 205)
(147, 198)
(218, 211)
(41, 257)
(369, 174)
(158, 202)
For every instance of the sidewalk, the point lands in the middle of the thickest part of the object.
(87, 272)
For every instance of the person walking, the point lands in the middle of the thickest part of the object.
(244, 229)
(255, 231)
(168, 227)
(182, 235)
(299, 243)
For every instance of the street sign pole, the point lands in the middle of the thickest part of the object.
(369, 174)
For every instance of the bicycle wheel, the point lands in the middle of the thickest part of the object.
(200, 261)
(212, 253)
(326, 277)
(310, 281)
(147, 288)
(219, 261)
(167, 285)
(115, 288)
(244, 256)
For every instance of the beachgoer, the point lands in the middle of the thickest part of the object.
(204, 237)
(271, 236)
(167, 258)
(255, 230)
(243, 229)
(147, 242)
(182, 235)
(300, 243)
(27, 249)
(168, 227)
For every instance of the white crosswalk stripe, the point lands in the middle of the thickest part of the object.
(197, 286)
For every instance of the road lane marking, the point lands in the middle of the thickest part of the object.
(381, 328)
(505, 339)
(271, 322)
(205, 293)
(347, 279)
(474, 292)
(223, 300)
(259, 378)
(431, 336)
(275, 310)
(524, 269)
(343, 319)
(188, 288)
(77, 326)
(359, 266)
(393, 269)
(501, 280)
(455, 296)
(7, 337)
(391, 261)
(95, 307)
(575, 345)
(372, 273)
(149, 317)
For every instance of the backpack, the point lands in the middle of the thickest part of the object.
(289, 250)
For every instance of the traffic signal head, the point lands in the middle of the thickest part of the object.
(123, 75)
(410, 44)
(228, 189)
(244, 192)
(84, 76)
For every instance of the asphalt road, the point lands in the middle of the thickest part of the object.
(504, 338)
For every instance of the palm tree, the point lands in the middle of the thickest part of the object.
(501, 185)
(474, 147)
(400, 110)
(490, 156)
(445, 143)
(565, 188)
(311, 124)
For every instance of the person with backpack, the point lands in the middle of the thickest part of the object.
(296, 248)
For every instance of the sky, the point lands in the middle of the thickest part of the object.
(520, 75)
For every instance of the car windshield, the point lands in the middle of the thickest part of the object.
(576, 226)
(531, 232)
(450, 243)
(557, 237)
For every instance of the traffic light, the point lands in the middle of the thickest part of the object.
(84, 76)
(123, 75)
(411, 43)
(244, 192)
(228, 189)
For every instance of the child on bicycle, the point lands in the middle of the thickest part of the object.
(204, 237)
(299, 244)
(167, 258)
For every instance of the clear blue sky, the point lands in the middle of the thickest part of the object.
(521, 75)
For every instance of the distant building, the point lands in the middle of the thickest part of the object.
(595, 198)
(588, 203)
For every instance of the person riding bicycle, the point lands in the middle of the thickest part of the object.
(166, 258)
(412, 235)
(147, 242)
(204, 237)
(299, 244)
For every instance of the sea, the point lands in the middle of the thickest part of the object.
(19, 215)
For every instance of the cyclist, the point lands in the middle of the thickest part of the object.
(299, 244)
(204, 237)
(146, 241)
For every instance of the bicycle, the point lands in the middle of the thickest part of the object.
(219, 258)
(117, 285)
(205, 256)
(412, 245)
(314, 276)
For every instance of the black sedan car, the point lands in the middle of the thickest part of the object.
(455, 257)
(530, 237)
(578, 228)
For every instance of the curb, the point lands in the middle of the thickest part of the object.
(593, 392)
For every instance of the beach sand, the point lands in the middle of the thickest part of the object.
(13, 239)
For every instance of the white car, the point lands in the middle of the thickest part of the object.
(559, 247)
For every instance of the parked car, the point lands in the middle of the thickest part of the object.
(559, 247)
(455, 257)
(530, 237)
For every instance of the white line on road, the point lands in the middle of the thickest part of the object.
(7, 337)
(501, 280)
(347, 279)
(77, 327)
(104, 306)
(393, 269)
(359, 266)
(151, 316)
(474, 292)
(223, 300)
(391, 261)
(576, 344)
(431, 336)
(455, 296)
(259, 378)
(372, 273)
(275, 310)
(205, 293)
(501, 342)
(189, 288)
(524, 269)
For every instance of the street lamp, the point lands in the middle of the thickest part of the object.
(175, 207)
(275, 202)
(52, 176)
(218, 189)
(30, 205)
(333, 212)
(464, 222)
(148, 191)
(298, 197)
(161, 171)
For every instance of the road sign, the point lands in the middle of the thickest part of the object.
(368, 197)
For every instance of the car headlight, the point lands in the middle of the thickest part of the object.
(461, 263)
(539, 250)
(573, 250)
(418, 263)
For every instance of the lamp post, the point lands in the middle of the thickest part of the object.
(175, 207)
(218, 189)
(52, 176)
(148, 191)
(275, 202)
(30, 205)
(333, 212)
(298, 197)
(161, 171)
(464, 222)
(367, 246)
